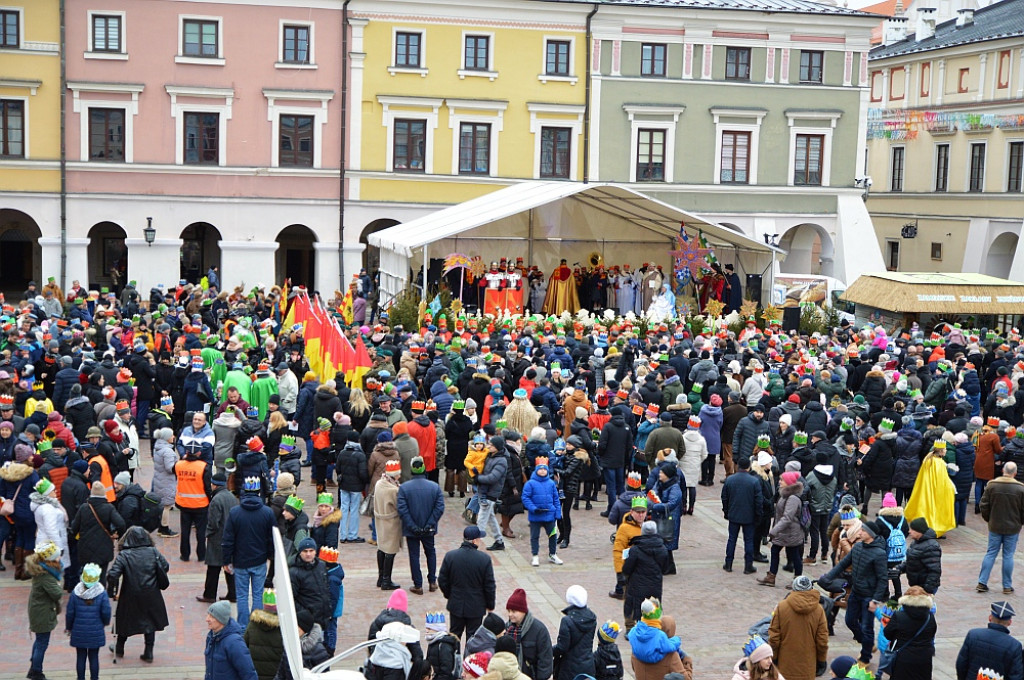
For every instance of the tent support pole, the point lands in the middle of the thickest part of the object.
(426, 263)
(529, 247)
(771, 280)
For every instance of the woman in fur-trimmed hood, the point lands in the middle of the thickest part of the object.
(917, 649)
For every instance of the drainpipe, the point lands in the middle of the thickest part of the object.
(344, 146)
(63, 156)
(586, 103)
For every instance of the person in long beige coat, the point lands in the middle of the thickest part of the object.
(388, 523)
(798, 626)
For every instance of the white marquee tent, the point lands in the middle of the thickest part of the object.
(543, 222)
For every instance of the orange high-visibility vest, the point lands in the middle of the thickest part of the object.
(105, 478)
(191, 493)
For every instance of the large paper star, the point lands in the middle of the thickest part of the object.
(690, 255)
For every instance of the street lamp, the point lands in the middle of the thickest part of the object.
(149, 233)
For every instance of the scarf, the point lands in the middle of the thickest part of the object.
(118, 438)
(514, 630)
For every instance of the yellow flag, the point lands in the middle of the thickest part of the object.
(347, 313)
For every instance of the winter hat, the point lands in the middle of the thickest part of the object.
(221, 611)
(517, 601)
(802, 583)
(716, 400)
(304, 620)
(790, 478)
(757, 649)
(399, 600)
(650, 610)
(91, 574)
(80, 466)
(286, 480)
(609, 631)
(794, 398)
(649, 528)
(306, 543)
(22, 452)
(385, 436)
(123, 478)
(576, 595)
(110, 426)
(400, 428)
(821, 458)
(493, 623)
(841, 666)
(764, 459)
(889, 501)
(48, 552)
(792, 466)
(505, 643)
(669, 469)
(219, 479)
(97, 489)
(45, 487)
(919, 524)
(581, 413)
(417, 466)
(786, 418)
(475, 665)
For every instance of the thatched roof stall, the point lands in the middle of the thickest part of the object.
(921, 296)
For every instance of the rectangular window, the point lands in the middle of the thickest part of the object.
(475, 149)
(410, 141)
(10, 36)
(735, 158)
(961, 82)
(12, 128)
(896, 171)
(936, 251)
(295, 45)
(296, 145)
(892, 255)
(737, 63)
(942, 167)
(977, 179)
(652, 59)
(556, 58)
(809, 157)
(650, 155)
(477, 51)
(1015, 171)
(202, 143)
(407, 50)
(106, 33)
(106, 135)
(199, 38)
(554, 152)
(811, 66)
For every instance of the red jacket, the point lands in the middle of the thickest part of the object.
(422, 430)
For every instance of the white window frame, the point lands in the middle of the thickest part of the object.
(425, 109)
(490, 73)
(653, 117)
(178, 111)
(753, 128)
(24, 127)
(984, 171)
(21, 31)
(81, 104)
(110, 56)
(319, 113)
(572, 78)
(476, 111)
(903, 178)
(794, 130)
(180, 58)
(1006, 165)
(538, 121)
(422, 71)
(281, 63)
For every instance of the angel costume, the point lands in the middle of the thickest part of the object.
(664, 306)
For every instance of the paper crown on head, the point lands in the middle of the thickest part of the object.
(166, 401)
(609, 631)
(122, 405)
(849, 515)
(48, 551)
(253, 412)
(287, 442)
(419, 406)
(992, 421)
(694, 422)
(886, 425)
(251, 484)
(763, 441)
(858, 672)
(459, 405)
(392, 467)
(325, 498)
(328, 554)
(650, 609)
(939, 445)
(44, 445)
(479, 439)
(6, 400)
(295, 503)
(44, 487)
(542, 461)
(754, 643)
(91, 573)
(559, 444)
(638, 502)
(800, 438)
(254, 443)
(633, 480)
(270, 599)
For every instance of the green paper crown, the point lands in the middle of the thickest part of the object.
(44, 445)
(269, 597)
(639, 502)
(295, 503)
(325, 498)
(800, 438)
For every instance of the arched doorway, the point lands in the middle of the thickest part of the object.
(371, 254)
(22, 256)
(809, 250)
(200, 250)
(296, 259)
(1000, 255)
(108, 256)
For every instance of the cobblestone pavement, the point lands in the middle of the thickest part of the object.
(713, 609)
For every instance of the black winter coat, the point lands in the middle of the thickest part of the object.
(311, 589)
(351, 468)
(133, 578)
(914, 660)
(73, 492)
(742, 500)
(616, 444)
(963, 480)
(869, 564)
(534, 650)
(644, 570)
(466, 579)
(94, 543)
(457, 432)
(924, 562)
(813, 418)
(992, 647)
(574, 649)
(325, 405)
(877, 465)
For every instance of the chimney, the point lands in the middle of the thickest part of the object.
(894, 30)
(964, 17)
(925, 23)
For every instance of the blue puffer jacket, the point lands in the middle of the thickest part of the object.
(908, 458)
(442, 400)
(227, 657)
(650, 644)
(971, 384)
(646, 427)
(711, 428)
(671, 495)
(964, 478)
(540, 498)
(304, 414)
(992, 647)
(87, 615)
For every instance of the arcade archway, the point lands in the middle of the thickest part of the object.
(809, 250)
(22, 256)
(108, 256)
(200, 250)
(296, 259)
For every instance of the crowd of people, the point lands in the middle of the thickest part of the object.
(856, 450)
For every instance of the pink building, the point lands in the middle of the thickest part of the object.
(218, 120)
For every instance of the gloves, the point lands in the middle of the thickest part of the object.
(819, 668)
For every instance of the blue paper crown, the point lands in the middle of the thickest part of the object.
(846, 516)
(166, 401)
(253, 412)
(753, 643)
(479, 439)
(559, 444)
(251, 484)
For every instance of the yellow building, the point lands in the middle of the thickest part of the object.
(457, 100)
(29, 135)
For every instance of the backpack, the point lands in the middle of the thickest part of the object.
(150, 512)
(805, 515)
(445, 658)
(896, 542)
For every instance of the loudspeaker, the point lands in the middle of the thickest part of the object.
(791, 319)
(753, 290)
